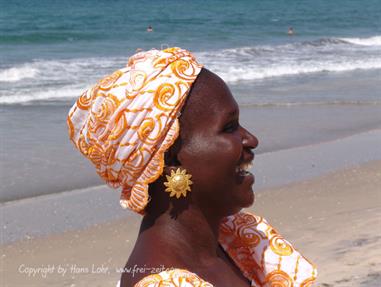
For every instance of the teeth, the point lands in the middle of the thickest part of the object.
(246, 166)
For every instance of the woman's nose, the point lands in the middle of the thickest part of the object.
(249, 140)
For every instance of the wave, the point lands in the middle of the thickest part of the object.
(267, 61)
(64, 79)
(43, 95)
(317, 103)
(371, 41)
(60, 69)
(15, 74)
(255, 72)
(53, 79)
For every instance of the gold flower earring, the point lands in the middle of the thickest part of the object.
(178, 183)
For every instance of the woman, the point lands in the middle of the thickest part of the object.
(167, 131)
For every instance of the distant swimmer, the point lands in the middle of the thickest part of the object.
(290, 31)
(149, 28)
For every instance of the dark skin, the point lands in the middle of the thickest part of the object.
(183, 233)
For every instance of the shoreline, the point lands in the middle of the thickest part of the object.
(83, 189)
(48, 167)
(102, 185)
(326, 218)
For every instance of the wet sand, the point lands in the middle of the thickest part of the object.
(334, 220)
(39, 159)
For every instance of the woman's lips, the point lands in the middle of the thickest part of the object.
(243, 172)
(243, 168)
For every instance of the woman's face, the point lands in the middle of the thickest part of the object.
(215, 149)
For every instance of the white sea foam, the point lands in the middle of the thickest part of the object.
(317, 103)
(53, 79)
(41, 95)
(15, 74)
(371, 41)
(53, 70)
(321, 55)
(252, 71)
(64, 79)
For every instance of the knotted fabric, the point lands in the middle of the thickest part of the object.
(126, 122)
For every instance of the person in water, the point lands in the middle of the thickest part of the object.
(290, 31)
(166, 131)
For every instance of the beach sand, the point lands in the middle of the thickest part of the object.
(334, 220)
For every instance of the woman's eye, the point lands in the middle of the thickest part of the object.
(231, 127)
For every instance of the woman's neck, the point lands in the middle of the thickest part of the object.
(191, 233)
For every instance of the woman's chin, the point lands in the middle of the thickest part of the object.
(246, 200)
(250, 198)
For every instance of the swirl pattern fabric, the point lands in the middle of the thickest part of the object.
(260, 252)
(172, 278)
(126, 122)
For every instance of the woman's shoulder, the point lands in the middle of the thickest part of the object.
(262, 254)
(173, 278)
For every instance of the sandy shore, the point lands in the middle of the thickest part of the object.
(335, 220)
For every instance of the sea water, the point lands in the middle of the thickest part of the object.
(53, 50)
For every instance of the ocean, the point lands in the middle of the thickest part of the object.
(53, 50)
(321, 83)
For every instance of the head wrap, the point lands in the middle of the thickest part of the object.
(126, 122)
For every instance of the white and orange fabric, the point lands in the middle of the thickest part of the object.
(126, 122)
(263, 256)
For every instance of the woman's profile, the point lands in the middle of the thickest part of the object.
(166, 131)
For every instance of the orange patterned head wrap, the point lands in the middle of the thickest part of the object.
(126, 122)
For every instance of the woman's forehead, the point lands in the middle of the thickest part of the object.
(210, 95)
